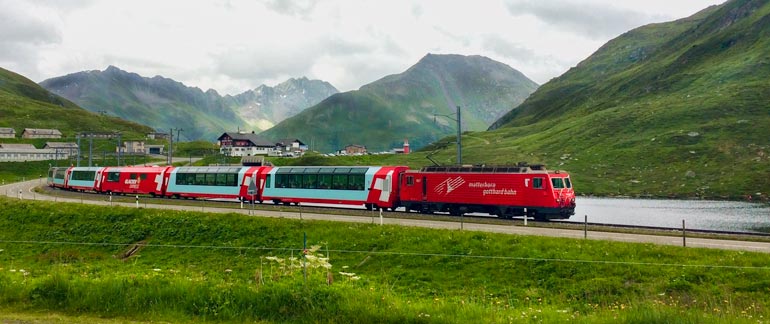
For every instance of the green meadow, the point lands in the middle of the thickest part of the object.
(76, 263)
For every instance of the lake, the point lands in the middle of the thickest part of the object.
(698, 214)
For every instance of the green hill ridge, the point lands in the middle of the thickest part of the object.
(25, 104)
(381, 114)
(677, 109)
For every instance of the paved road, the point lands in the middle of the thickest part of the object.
(25, 190)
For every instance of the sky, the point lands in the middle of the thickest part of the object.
(232, 46)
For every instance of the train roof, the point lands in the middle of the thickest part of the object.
(534, 168)
(211, 169)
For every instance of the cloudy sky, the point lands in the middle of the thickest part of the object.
(236, 45)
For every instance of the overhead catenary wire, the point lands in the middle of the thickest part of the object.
(401, 253)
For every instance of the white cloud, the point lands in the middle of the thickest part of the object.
(235, 45)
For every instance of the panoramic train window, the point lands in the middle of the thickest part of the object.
(113, 176)
(207, 179)
(60, 173)
(321, 178)
(83, 175)
(267, 180)
(537, 183)
(557, 183)
(568, 183)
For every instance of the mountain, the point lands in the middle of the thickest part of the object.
(158, 102)
(164, 103)
(24, 104)
(418, 104)
(266, 106)
(676, 109)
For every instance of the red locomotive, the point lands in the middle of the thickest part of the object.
(505, 191)
(502, 191)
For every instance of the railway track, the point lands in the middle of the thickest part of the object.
(401, 214)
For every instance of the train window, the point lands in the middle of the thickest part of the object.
(310, 181)
(132, 176)
(222, 179)
(324, 181)
(356, 182)
(537, 183)
(557, 183)
(281, 180)
(83, 175)
(297, 170)
(312, 170)
(283, 170)
(326, 170)
(409, 180)
(295, 181)
(113, 176)
(358, 170)
(200, 179)
(568, 183)
(340, 181)
(143, 176)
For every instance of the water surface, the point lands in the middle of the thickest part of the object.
(697, 214)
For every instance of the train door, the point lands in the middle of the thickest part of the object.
(424, 188)
(98, 181)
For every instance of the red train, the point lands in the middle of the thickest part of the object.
(505, 191)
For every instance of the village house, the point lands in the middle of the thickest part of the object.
(244, 144)
(40, 133)
(132, 147)
(28, 152)
(7, 132)
(355, 149)
(70, 148)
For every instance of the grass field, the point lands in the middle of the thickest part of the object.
(121, 264)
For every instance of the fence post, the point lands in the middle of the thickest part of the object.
(526, 214)
(585, 227)
(304, 256)
(137, 201)
(684, 235)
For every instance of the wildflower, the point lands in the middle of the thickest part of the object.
(228, 270)
(156, 269)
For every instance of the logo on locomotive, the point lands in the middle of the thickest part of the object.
(449, 185)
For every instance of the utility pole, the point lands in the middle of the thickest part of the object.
(119, 149)
(459, 133)
(170, 145)
(77, 136)
(170, 148)
(459, 138)
(91, 148)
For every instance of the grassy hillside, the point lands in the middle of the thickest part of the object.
(158, 102)
(676, 109)
(380, 115)
(151, 265)
(24, 104)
